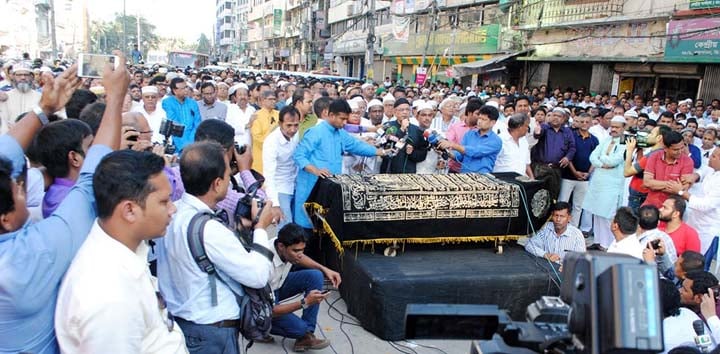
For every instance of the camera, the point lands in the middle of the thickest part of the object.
(655, 244)
(169, 128)
(641, 137)
(608, 304)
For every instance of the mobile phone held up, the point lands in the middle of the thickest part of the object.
(92, 65)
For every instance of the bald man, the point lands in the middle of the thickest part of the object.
(137, 134)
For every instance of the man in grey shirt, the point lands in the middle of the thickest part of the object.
(210, 107)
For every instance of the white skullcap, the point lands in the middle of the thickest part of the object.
(471, 94)
(149, 89)
(162, 70)
(366, 85)
(425, 105)
(493, 104)
(170, 76)
(221, 83)
(354, 104)
(388, 99)
(236, 87)
(417, 103)
(433, 103)
(631, 114)
(374, 102)
(618, 119)
(22, 66)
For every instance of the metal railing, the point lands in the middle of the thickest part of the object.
(552, 12)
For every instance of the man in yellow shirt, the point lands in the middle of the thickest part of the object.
(265, 122)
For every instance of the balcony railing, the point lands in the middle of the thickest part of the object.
(553, 12)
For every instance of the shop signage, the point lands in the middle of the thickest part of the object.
(693, 40)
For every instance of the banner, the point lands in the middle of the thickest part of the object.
(421, 75)
(277, 21)
(703, 4)
(401, 24)
(696, 39)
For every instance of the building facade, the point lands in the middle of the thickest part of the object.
(661, 48)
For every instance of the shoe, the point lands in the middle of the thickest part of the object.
(268, 339)
(310, 342)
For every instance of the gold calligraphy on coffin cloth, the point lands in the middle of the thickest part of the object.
(409, 197)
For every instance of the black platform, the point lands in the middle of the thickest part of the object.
(377, 289)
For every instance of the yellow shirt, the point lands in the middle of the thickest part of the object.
(265, 122)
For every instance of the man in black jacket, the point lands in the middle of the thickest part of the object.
(409, 143)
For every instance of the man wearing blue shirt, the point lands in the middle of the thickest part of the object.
(319, 155)
(480, 147)
(36, 256)
(182, 110)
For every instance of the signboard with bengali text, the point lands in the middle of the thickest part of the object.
(703, 4)
(693, 40)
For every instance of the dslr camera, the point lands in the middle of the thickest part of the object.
(169, 128)
(641, 137)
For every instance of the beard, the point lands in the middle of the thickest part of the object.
(23, 87)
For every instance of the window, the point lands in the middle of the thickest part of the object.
(228, 5)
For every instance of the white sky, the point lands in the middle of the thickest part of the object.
(186, 19)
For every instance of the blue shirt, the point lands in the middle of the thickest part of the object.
(553, 145)
(481, 151)
(584, 146)
(322, 146)
(186, 113)
(35, 258)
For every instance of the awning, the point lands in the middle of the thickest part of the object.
(440, 60)
(483, 66)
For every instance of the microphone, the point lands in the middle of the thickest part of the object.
(702, 340)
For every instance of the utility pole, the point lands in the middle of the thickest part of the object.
(53, 36)
(370, 54)
(124, 36)
(433, 23)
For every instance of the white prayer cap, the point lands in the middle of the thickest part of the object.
(388, 99)
(631, 113)
(417, 103)
(493, 104)
(618, 119)
(374, 102)
(354, 105)
(22, 66)
(366, 85)
(149, 89)
(425, 105)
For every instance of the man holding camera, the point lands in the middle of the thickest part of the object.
(182, 110)
(205, 171)
(149, 108)
(636, 162)
(665, 167)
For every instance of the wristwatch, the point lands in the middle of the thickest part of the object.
(303, 304)
(681, 192)
(41, 115)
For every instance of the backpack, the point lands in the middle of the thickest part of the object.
(255, 304)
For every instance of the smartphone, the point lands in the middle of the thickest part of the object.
(325, 291)
(92, 65)
(655, 244)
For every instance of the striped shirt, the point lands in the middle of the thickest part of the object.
(547, 241)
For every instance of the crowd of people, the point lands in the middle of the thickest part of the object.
(99, 177)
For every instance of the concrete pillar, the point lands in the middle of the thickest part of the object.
(601, 78)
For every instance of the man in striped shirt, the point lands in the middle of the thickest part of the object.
(557, 237)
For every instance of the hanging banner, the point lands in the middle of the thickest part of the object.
(401, 24)
(277, 21)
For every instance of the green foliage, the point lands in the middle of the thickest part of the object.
(107, 36)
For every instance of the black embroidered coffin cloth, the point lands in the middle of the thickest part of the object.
(385, 208)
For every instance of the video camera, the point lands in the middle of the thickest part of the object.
(641, 137)
(169, 128)
(608, 304)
